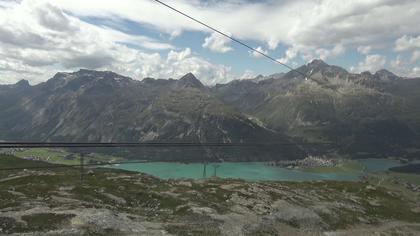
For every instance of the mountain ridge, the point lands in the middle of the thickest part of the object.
(91, 106)
(355, 111)
(334, 105)
(316, 64)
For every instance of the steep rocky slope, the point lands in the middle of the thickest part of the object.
(364, 114)
(92, 106)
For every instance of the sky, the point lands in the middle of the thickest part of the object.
(140, 38)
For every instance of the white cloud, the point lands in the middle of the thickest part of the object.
(179, 56)
(399, 67)
(38, 39)
(217, 43)
(364, 49)
(406, 63)
(415, 56)
(12, 71)
(323, 53)
(404, 67)
(416, 72)
(179, 63)
(407, 43)
(248, 74)
(308, 53)
(371, 63)
(37, 36)
(291, 54)
(320, 24)
(256, 54)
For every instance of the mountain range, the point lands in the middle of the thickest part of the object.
(360, 114)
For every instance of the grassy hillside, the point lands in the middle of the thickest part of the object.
(119, 202)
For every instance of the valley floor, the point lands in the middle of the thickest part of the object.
(116, 202)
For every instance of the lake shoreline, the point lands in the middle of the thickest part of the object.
(257, 171)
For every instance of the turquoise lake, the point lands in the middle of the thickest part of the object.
(252, 171)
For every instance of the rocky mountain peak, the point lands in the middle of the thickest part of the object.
(60, 75)
(22, 83)
(385, 75)
(98, 74)
(366, 74)
(82, 77)
(259, 78)
(319, 67)
(384, 72)
(189, 80)
(317, 63)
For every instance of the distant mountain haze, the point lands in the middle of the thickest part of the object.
(363, 114)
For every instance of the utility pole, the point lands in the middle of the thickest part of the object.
(204, 170)
(215, 166)
(82, 161)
